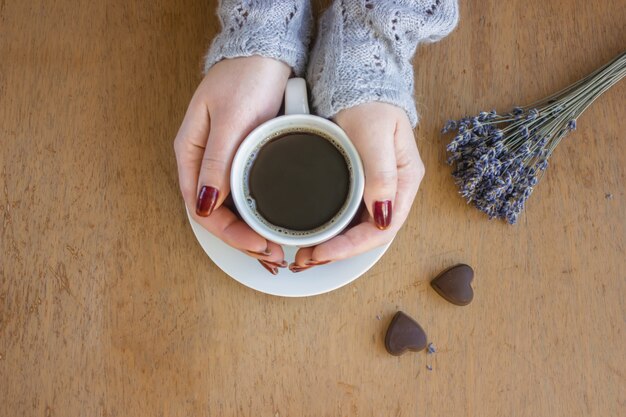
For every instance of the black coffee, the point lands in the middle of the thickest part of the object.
(299, 181)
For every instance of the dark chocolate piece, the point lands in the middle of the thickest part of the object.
(453, 284)
(404, 334)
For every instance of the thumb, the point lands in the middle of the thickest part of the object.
(375, 144)
(213, 179)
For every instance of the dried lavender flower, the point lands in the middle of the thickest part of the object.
(498, 159)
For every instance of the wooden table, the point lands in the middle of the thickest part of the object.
(109, 307)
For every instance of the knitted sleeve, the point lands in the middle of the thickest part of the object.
(364, 49)
(272, 29)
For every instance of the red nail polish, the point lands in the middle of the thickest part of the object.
(311, 262)
(266, 252)
(282, 264)
(297, 268)
(207, 197)
(270, 268)
(382, 214)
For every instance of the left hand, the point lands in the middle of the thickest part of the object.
(235, 96)
(384, 139)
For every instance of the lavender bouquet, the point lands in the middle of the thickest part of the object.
(498, 159)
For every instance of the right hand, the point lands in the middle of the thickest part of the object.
(235, 96)
(383, 136)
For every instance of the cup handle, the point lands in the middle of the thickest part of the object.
(296, 101)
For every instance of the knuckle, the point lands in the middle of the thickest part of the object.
(420, 170)
(177, 146)
(353, 243)
(188, 192)
(211, 163)
(384, 178)
(415, 169)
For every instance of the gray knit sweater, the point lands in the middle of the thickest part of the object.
(363, 49)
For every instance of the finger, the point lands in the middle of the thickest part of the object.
(302, 259)
(273, 254)
(226, 226)
(359, 239)
(276, 253)
(304, 256)
(367, 236)
(375, 144)
(189, 148)
(214, 173)
(273, 261)
(410, 166)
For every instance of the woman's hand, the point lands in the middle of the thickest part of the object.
(384, 139)
(235, 96)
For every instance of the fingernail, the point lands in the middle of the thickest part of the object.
(297, 268)
(282, 264)
(311, 262)
(266, 252)
(207, 197)
(382, 214)
(270, 268)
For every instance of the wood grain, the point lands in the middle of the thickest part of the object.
(109, 307)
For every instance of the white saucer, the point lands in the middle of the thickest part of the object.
(317, 280)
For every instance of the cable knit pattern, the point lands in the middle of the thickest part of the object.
(273, 29)
(364, 49)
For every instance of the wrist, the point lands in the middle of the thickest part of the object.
(278, 30)
(276, 66)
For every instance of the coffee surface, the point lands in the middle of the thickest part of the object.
(299, 181)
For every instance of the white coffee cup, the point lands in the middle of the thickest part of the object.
(296, 119)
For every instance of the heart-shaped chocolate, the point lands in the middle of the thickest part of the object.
(453, 284)
(404, 334)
